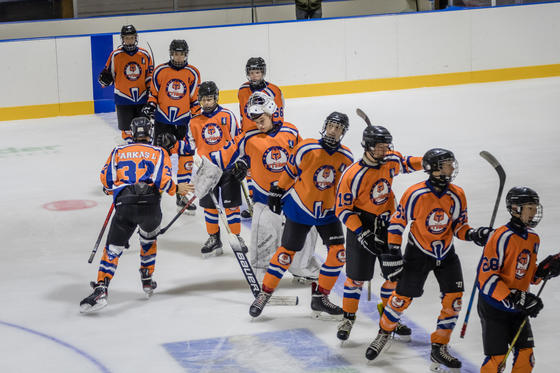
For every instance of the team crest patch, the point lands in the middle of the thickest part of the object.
(212, 133)
(437, 221)
(275, 158)
(341, 256)
(324, 177)
(284, 259)
(188, 166)
(176, 89)
(132, 71)
(397, 302)
(380, 192)
(457, 304)
(523, 260)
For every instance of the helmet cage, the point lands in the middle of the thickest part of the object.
(260, 103)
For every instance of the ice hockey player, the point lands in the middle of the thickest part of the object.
(130, 69)
(437, 211)
(265, 152)
(365, 203)
(209, 132)
(173, 101)
(307, 191)
(136, 175)
(507, 268)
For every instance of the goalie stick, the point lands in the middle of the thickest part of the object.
(502, 177)
(246, 266)
(96, 245)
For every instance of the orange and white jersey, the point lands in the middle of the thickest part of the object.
(132, 73)
(435, 218)
(175, 91)
(266, 154)
(210, 132)
(509, 261)
(245, 91)
(133, 163)
(370, 188)
(311, 177)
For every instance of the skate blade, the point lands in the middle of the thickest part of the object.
(326, 316)
(402, 338)
(88, 308)
(300, 280)
(148, 292)
(440, 368)
(216, 252)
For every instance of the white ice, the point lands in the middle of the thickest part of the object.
(44, 253)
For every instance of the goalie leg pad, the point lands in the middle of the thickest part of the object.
(265, 238)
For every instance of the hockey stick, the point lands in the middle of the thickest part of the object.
(502, 365)
(151, 52)
(502, 177)
(189, 202)
(363, 115)
(247, 197)
(101, 233)
(246, 268)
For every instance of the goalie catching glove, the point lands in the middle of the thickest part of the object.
(392, 263)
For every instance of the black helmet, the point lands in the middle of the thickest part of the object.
(256, 63)
(433, 161)
(129, 30)
(178, 45)
(208, 88)
(519, 196)
(338, 118)
(374, 135)
(141, 129)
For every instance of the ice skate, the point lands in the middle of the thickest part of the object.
(443, 361)
(212, 246)
(378, 344)
(322, 307)
(191, 210)
(97, 300)
(402, 331)
(345, 327)
(147, 284)
(243, 245)
(258, 304)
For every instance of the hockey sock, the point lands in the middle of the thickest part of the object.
(386, 291)
(185, 165)
(352, 293)
(211, 218)
(523, 360)
(109, 262)
(148, 251)
(330, 269)
(491, 363)
(392, 312)
(234, 219)
(450, 308)
(279, 264)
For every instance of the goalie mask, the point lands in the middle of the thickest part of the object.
(517, 198)
(256, 64)
(178, 51)
(339, 120)
(126, 32)
(260, 103)
(443, 162)
(142, 129)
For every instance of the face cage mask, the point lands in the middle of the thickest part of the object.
(536, 218)
(329, 140)
(129, 47)
(177, 64)
(209, 109)
(371, 151)
(442, 181)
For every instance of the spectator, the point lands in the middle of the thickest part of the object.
(307, 9)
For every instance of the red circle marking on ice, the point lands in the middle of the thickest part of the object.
(72, 204)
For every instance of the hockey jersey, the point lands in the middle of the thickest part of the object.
(245, 91)
(311, 177)
(132, 74)
(133, 163)
(435, 218)
(369, 188)
(509, 261)
(175, 91)
(266, 154)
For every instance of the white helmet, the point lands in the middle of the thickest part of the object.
(260, 103)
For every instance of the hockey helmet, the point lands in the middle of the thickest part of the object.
(260, 103)
(518, 196)
(178, 45)
(129, 30)
(208, 89)
(142, 129)
(335, 117)
(434, 160)
(374, 135)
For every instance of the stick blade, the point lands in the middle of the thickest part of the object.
(364, 116)
(496, 164)
(276, 300)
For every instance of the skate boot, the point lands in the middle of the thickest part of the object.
(212, 246)
(345, 326)
(147, 284)
(243, 245)
(258, 304)
(322, 306)
(245, 214)
(401, 330)
(191, 210)
(97, 300)
(440, 356)
(377, 345)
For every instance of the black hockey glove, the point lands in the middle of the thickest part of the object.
(275, 199)
(392, 263)
(479, 235)
(239, 170)
(166, 140)
(105, 78)
(367, 239)
(526, 302)
(549, 267)
(149, 110)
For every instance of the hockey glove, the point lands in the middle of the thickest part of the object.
(549, 267)
(367, 239)
(105, 78)
(239, 170)
(275, 199)
(526, 302)
(392, 263)
(479, 235)
(149, 110)
(166, 140)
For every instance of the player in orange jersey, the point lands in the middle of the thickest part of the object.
(507, 268)
(136, 175)
(436, 210)
(209, 132)
(173, 101)
(130, 68)
(308, 191)
(365, 203)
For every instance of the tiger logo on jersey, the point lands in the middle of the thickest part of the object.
(523, 260)
(176, 89)
(457, 304)
(341, 256)
(132, 71)
(275, 158)
(437, 221)
(380, 192)
(212, 133)
(324, 177)
(284, 259)
(397, 302)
